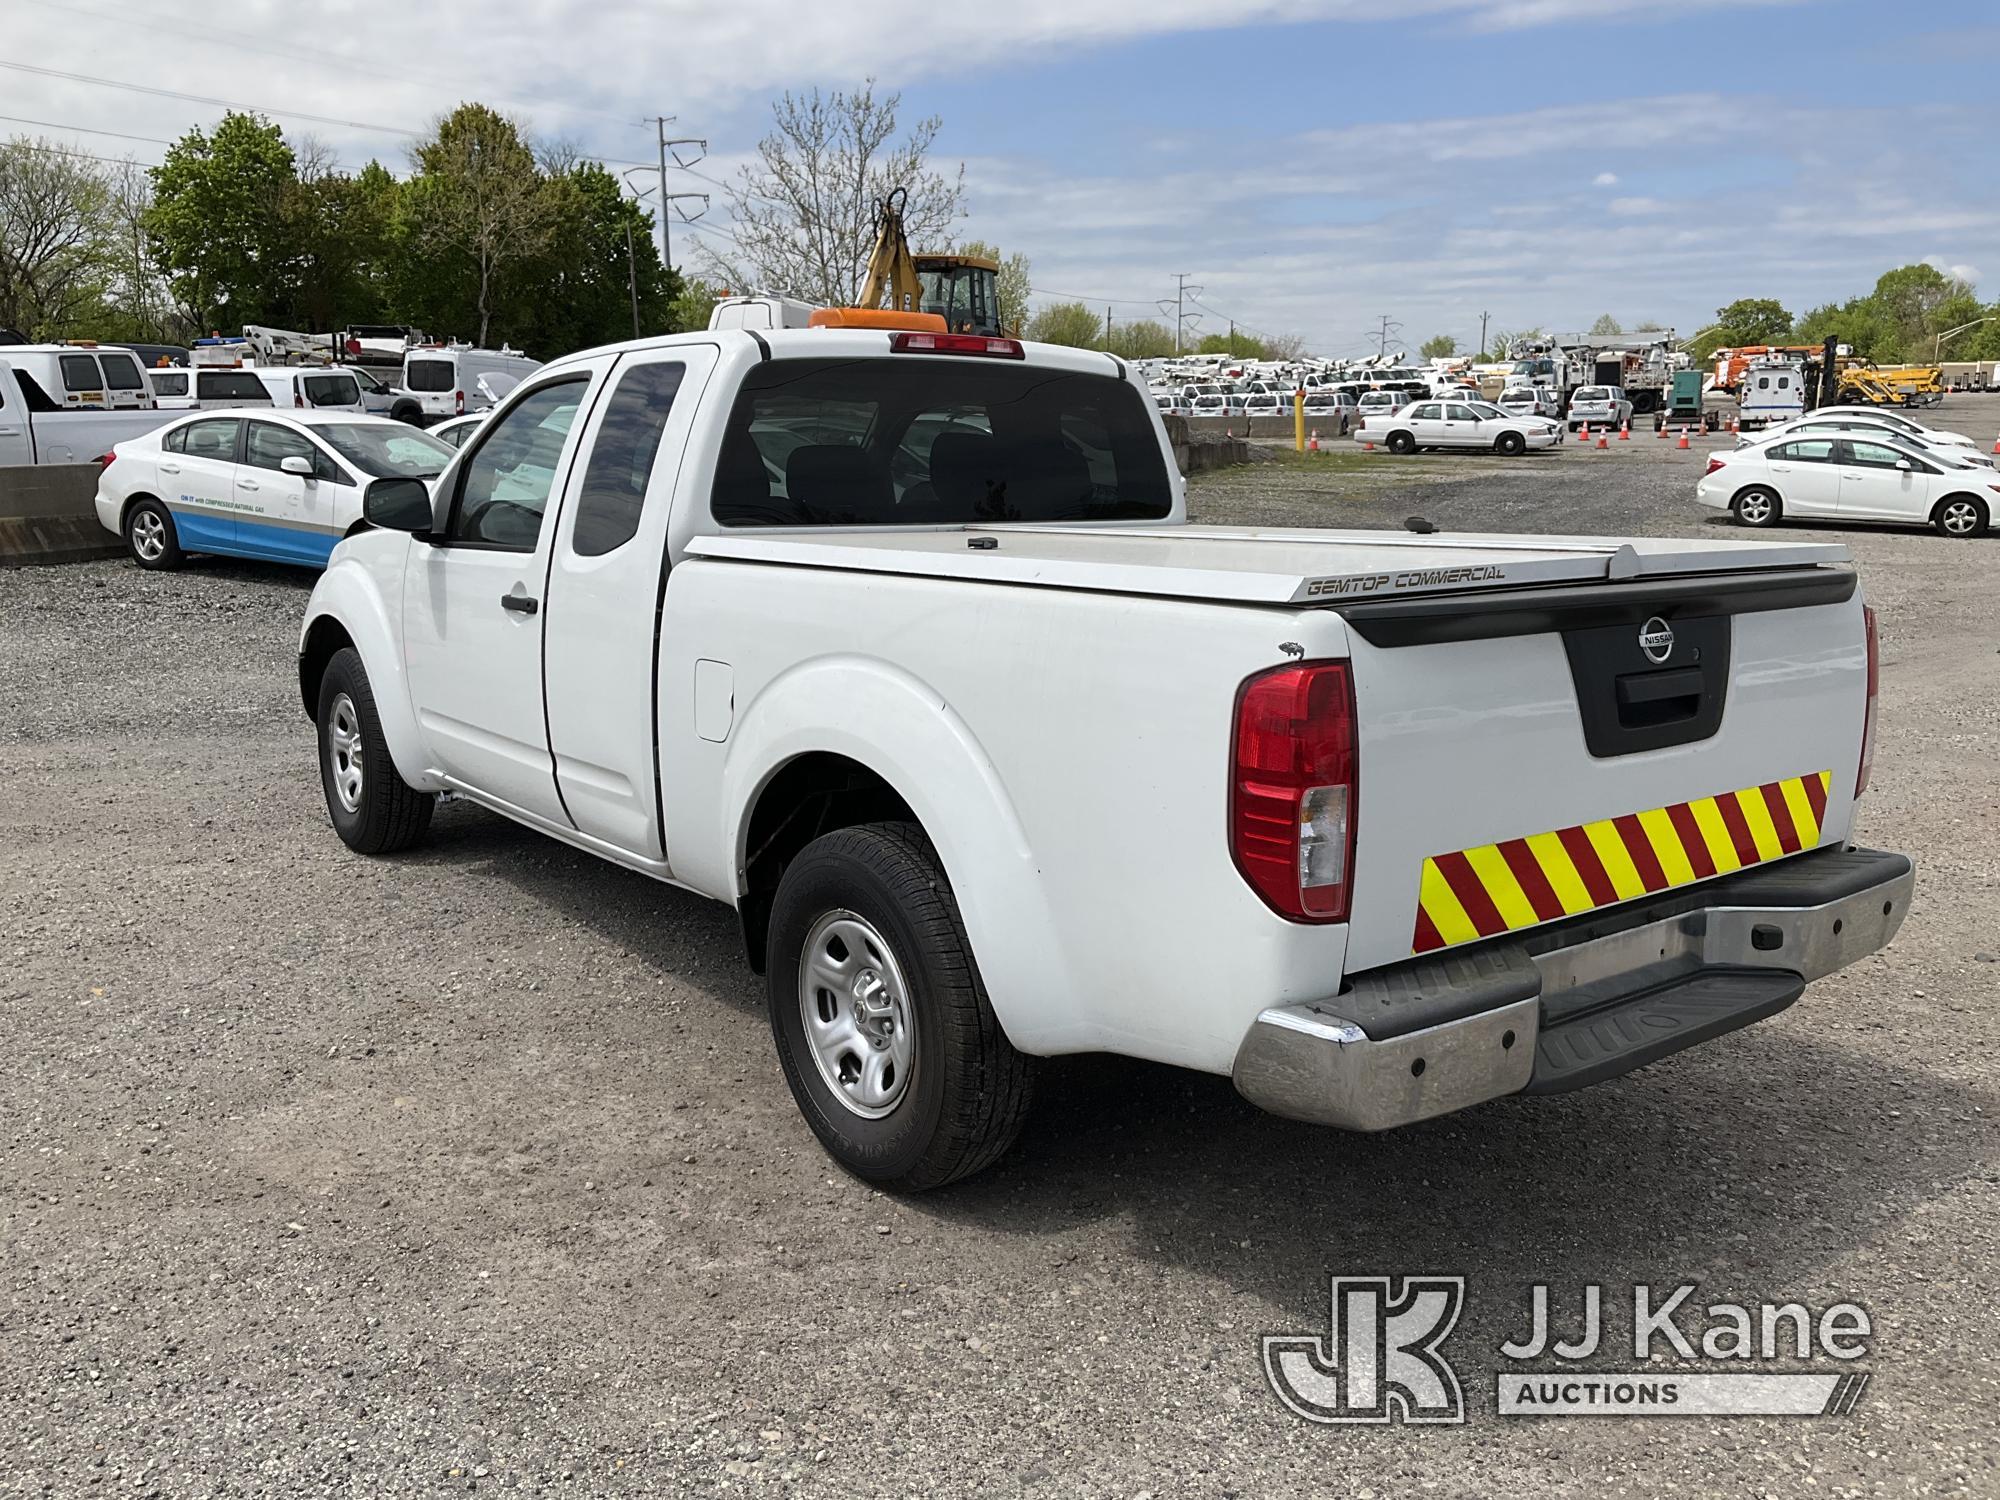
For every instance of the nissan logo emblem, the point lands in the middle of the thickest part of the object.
(1656, 639)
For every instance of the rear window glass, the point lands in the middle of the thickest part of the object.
(79, 373)
(121, 373)
(165, 383)
(428, 375)
(230, 385)
(331, 390)
(895, 441)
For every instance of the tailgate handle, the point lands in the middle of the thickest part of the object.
(1651, 698)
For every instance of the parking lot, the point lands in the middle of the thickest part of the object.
(473, 1169)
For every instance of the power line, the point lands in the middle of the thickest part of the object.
(143, 88)
(110, 161)
(85, 130)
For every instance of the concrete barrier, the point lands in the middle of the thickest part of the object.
(47, 515)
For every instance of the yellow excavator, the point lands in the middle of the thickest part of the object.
(964, 290)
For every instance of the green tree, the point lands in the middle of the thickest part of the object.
(1142, 338)
(478, 201)
(1438, 346)
(1015, 283)
(218, 221)
(583, 278)
(58, 214)
(1241, 345)
(1069, 323)
(1606, 327)
(336, 229)
(690, 310)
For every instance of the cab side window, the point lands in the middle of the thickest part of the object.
(621, 458)
(504, 486)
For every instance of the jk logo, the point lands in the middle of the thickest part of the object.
(1381, 1362)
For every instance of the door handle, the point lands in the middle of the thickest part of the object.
(246, 484)
(170, 468)
(521, 604)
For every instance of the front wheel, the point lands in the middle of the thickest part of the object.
(881, 1021)
(1758, 507)
(1402, 442)
(1512, 444)
(150, 536)
(373, 809)
(1960, 516)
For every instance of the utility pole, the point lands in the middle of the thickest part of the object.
(632, 277)
(1107, 328)
(1389, 326)
(1482, 331)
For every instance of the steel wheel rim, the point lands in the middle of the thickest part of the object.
(149, 535)
(343, 752)
(855, 1009)
(1756, 507)
(1959, 518)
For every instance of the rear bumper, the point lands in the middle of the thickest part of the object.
(1574, 1003)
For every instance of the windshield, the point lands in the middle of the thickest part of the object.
(391, 450)
(872, 442)
(427, 374)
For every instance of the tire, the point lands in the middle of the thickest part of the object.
(1401, 442)
(1758, 506)
(1963, 516)
(373, 809)
(1511, 444)
(936, 1092)
(151, 538)
(407, 411)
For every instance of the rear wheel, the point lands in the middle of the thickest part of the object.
(408, 411)
(150, 536)
(881, 1021)
(1510, 443)
(1758, 506)
(1402, 442)
(1960, 516)
(373, 809)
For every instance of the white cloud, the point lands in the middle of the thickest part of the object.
(1956, 270)
(1633, 207)
(1605, 179)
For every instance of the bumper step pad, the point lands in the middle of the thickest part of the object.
(1603, 1043)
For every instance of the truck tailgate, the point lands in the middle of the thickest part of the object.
(1531, 755)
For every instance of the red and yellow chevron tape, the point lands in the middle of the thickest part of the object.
(1496, 888)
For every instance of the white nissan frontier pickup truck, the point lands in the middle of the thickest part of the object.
(899, 642)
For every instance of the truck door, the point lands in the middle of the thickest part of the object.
(17, 443)
(606, 581)
(472, 621)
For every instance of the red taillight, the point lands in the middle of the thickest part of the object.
(458, 398)
(956, 343)
(1868, 714)
(105, 461)
(1715, 461)
(1293, 781)
(298, 399)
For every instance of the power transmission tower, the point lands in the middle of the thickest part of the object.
(661, 122)
(1183, 294)
(1389, 326)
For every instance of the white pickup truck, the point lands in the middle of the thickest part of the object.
(899, 643)
(36, 430)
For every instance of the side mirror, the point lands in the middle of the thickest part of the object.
(296, 463)
(1903, 464)
(398, 505)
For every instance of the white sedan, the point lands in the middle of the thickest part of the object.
(1458, 424)
(282, 485)
(1898, 421)
(1821, 424)
(1850, 479)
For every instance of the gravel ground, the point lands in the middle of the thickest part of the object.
(473, 1169)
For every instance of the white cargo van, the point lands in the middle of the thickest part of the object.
(323, 390)
(83, 377)
(444, 379)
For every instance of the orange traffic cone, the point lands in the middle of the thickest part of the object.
(1313, 447)
(1996, 445)
(1586, 432)
(1625, 433)
(1368, 447)
(1603, 443)
(1684, 439)
(1660, 432)
(1733, 426)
